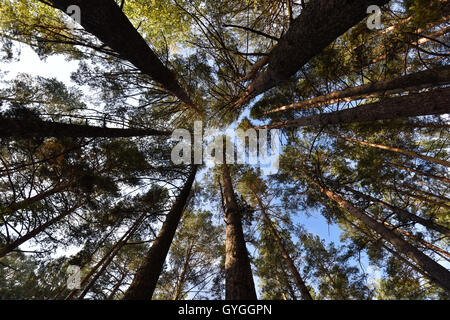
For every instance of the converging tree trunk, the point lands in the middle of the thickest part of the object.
(33, 233)
(105, 20)
(398, 150)
(28, 128)
(290, 263)
(88, 281)
(239, 283)
(419, 172)
(146, 278)
(402, 213)
(415, 81)
(438, 272)
(429, 103)
(41, 196)
(326, 20)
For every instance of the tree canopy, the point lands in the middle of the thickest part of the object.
(87, 176)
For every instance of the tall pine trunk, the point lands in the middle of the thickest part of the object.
(33, 127)
(239, 283)
(438, 272)
(428, 103)
(419, 172)
(105, 20)
(326, 20)
(181, 280)
(398, 150)
(33, 233)
(87, 281)
(43, 195)
(418, 80)
(402, 213)
(290, 263)
(146, 278)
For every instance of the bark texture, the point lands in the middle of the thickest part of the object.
(105, 20)
(320, 23)
(146, 278)
(239, 283)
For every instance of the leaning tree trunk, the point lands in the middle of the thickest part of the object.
(438, 272)
(319, 24)
(105, 20)
(421, 173)
(290, 263)
(402, 213)
(415, 81)
(398, 150)
(239, 283)
(429, 103)
(117, 286)
(106, 260)
(28, 128)
(146, 278)
(33, 233)
(41, 196)
(182, 279)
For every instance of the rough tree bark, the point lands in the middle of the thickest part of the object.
(320, 23)
(239, 283)
(144, 282)
(105, 20)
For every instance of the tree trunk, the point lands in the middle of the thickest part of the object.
(438, 272)
(33, 233)
(426, 174)
(180, 282)
(98, 246)
(117, 286)
(398, 150)
(146, 278)
(239, 283)
(290, 263)
(28, 128)
(373, 238)
(429, 103)
(105, 20)
(111, 252)
(415, 81)
(404, 214)
(444, 254)
(109, 257)
(27, 202)
(326, 20)
(416, 196)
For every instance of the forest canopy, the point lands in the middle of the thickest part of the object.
(353, 103)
